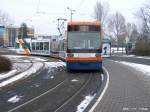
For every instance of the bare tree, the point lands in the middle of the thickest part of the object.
(5, 19)
(143, 15)
(117, 27)
(132, 32)
(129, 29)
(101, 12)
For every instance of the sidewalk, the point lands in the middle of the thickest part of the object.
(126, 92)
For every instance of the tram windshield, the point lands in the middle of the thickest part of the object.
(84, 40)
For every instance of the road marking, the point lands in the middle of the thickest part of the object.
(103, 92)
(35, 98)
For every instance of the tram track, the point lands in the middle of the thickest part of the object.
(35, 101)
(28, 88)
(39, 92)
(74, 95)
(30, 101)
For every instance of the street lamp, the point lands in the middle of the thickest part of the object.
(71, 12)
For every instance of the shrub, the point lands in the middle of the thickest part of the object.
(5, 64)
(142, 48)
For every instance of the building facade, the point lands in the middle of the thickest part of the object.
(11, 33)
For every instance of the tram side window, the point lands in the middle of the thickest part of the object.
(33, 45)
(37, 46)
(46, 46)
(41, 45)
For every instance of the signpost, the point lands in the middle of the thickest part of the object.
(106, 48)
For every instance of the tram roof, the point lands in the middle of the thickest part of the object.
(96, 23)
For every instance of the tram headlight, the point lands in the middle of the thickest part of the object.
(70, 55)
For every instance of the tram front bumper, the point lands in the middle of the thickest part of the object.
(83, 65)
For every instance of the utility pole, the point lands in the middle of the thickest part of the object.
(71, 12)
(60, 28)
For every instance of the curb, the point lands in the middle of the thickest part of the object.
(102, 91)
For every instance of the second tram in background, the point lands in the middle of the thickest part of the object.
(84, 46)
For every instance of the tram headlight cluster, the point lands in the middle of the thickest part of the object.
(70, 55)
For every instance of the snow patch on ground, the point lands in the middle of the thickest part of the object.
(50, 65)
(36, 66)
(85, 103)
(54, 64)
(102, 75)
(36, 85)
(74, 80)
(21, 66)
(14, 99)
(10, 73)
(139, 67)
(143, 57)
(35, 59)
(52, 77)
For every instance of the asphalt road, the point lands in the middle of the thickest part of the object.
(128, 89)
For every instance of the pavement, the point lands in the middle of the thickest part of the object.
(127, 91)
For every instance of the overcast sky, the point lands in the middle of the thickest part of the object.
(26, 11)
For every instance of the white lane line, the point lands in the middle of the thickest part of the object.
(35, 98)
(103, 92)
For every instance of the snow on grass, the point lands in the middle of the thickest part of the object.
(74, 80)
(14, 56)
(17, 67)
(36, 66)
(85, 103)
(37, 59)
(139, 67)
(21, 58)
(10, 73)
(14, 99)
